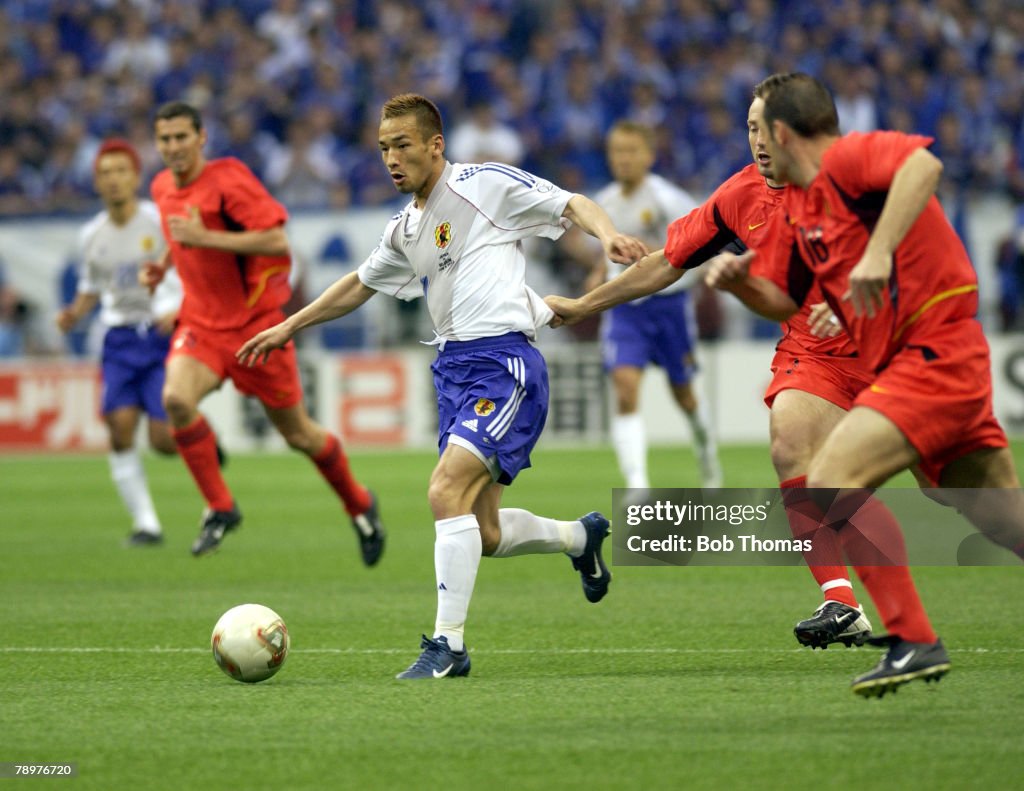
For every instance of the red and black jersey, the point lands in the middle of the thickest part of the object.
(823, 230)
(738, 215)
(224, 290)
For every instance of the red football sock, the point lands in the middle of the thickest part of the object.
(825, 560)
(198, 447)
(874, 544)
(333, 465)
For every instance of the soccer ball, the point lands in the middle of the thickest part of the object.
(250, 642)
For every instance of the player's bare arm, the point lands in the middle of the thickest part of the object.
(731, 272)
(342, 298)
(152, 272)
(189, 229)
(620, 248)
(647, 276)
(73, 313)
(913, 185)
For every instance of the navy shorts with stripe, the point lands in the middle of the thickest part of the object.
(493, 394)
(133, 369)
(658, 330)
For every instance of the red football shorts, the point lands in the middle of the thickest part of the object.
(938, 392)
(275, 383)
(838, 380)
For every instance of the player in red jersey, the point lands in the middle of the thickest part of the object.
(861, 219)
(814, 384)
(227, 241)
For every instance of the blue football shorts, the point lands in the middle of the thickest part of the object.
(133, 369)
(658, 330)
(492, 398)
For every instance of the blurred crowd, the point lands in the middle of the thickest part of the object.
(293, 87)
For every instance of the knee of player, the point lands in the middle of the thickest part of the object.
(300, 439)
(446, 498)
(178, 408)
(788, 457)
(439, 495)
(120, 442)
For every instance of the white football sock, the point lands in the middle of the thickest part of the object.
(130, 478)
(704, 445)
(699, 421)
(523, 533)
(629, 439)
(457, 551)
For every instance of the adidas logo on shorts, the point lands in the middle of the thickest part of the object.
(470, 424)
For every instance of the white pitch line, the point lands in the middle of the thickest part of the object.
(492, 651)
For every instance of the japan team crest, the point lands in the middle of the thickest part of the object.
(484, 407)
(443, 235)
(148, 244)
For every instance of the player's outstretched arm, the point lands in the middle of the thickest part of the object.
(647, 276)
(912, 187)
(342, 298)
(731, 272)
(620, 248)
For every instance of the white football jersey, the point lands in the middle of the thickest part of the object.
(111, 256)
(646, 214)
(463, 251)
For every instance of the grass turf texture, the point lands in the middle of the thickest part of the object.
(680, 678)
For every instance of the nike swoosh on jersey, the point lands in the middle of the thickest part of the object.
(756, 225)
(444, 672)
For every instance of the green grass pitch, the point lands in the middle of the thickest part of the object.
(680, 678)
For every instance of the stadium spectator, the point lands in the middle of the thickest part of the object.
(113, 245)
(303, 171)
(930, 399)
(227, 241)
(482, 138)
(461, 234)
(960, 58)
(196, 51)
(136, 50)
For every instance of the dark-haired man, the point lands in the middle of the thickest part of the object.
(861, 220)
(458, 244)
(814, 380)
(228, 244)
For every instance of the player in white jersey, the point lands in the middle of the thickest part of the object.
(658, 329)
(112, 247)
(458, 243)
